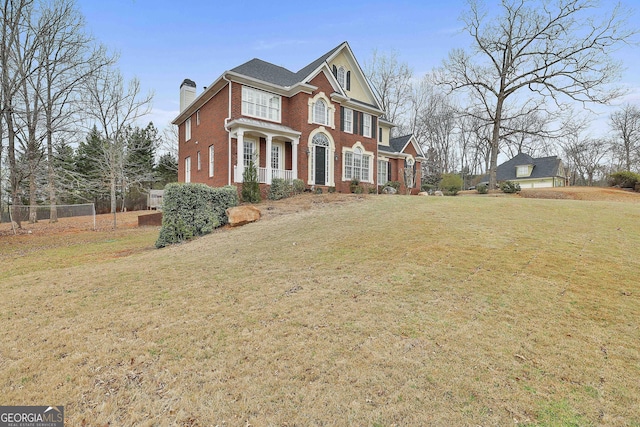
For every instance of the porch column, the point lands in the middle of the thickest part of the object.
(269, 154)
(294, 157)
(240, 160)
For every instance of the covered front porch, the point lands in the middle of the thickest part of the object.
(272, 148)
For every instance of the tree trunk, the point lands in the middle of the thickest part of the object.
(113, 198)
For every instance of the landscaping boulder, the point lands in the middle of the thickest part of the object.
(241, 215)
(423, 193)
(389, 190)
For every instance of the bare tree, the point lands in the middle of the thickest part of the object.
(68, 55)
(392, 81)
(586, 159)
(113, 106)
(625, 123)
(555, 50)
(15, 57)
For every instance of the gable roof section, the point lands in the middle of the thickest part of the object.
(287, 81)
(399, 144)
(543, 167)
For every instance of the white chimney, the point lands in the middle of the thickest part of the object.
(187, 93)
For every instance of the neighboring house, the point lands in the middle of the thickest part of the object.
(532, 173)
(322, 124)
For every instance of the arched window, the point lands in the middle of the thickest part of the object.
(341, 75)
(320, 158)
(320, 112)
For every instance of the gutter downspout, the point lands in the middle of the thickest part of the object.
(226, 122)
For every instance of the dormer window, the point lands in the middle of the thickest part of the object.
(320, 112)
(523, 171)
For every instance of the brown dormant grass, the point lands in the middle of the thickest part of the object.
(388, 310)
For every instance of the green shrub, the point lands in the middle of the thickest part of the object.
(354, 186)
(372, 189)
(250, 185)
(298, 186)
(427, 187)
(509, 187)
(395, 184)
(451, 183)
(279, 189)
(318, 190)
(482, 188)
(331, 190)
(191, 210)
(624, 179)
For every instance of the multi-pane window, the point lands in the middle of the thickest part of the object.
(366, 125)
(341, 75)
(187, 169)
(199, 161)
(383, 173)
(257, 103)
(320, 112)
(275, 156)
(356, 165)
(348, 120)
(211, 152)
(249, 152)
(187, 129)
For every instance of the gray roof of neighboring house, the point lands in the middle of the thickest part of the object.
(396, 145)
(543, 167)
(270, 73)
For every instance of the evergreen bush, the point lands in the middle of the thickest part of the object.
(250, 185)
(279, 189)
(298, 186)
(624, 179)
(509, 187)
(191, 210)
(482, 188)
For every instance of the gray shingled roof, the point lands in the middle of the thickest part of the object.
(400, 142)
(543, 167)
(270, 73)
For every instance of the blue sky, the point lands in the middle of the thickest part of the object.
(163, 42)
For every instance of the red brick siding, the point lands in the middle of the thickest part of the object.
(210, 132)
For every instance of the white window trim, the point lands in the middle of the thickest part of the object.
(280, 158)
(341, 76)
(385, 177)
(348, 111)
(187, 129)
(211, 161)
(249, 107)
(368, 155)
(253, 153)
(331, 110)
(187, 169)
(366, 127)
(197, 117)
(316, 116)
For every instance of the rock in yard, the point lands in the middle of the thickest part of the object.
(241, 215)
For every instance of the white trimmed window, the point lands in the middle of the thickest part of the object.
(383, 172)
(348, 120)
(523, 171)
(356, 165)
(261, 104)
(320, 114)
(199, 161)
(211, 152)
(341, 75)
(198, 118)
(187, 129)
(249, 152)
(366, 125)
(187, 169)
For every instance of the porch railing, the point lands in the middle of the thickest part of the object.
(287, 175)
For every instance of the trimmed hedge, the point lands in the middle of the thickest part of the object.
(510, 187)
(190, 210)
(280, 189)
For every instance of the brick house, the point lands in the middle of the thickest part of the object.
(322, 124)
